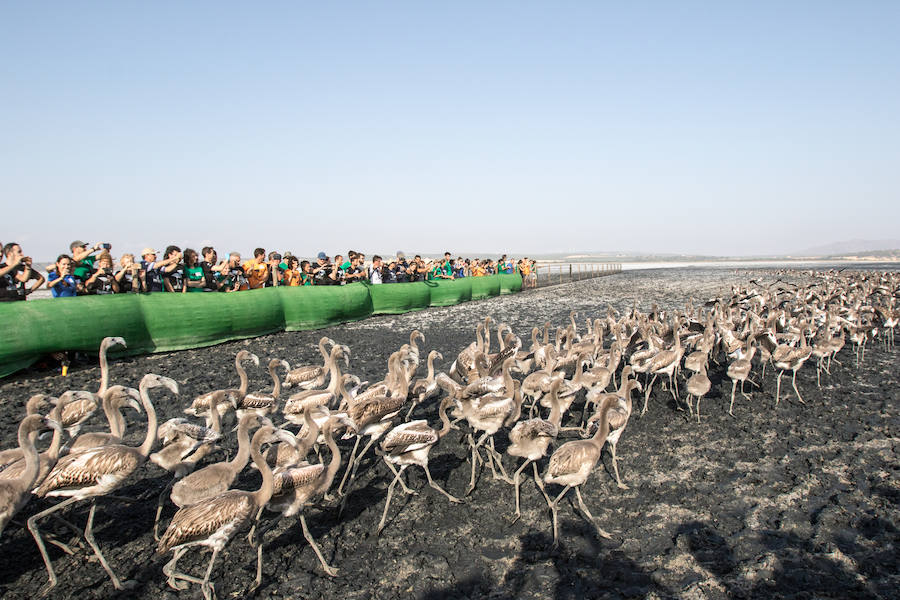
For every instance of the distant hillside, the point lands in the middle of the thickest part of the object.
(851, 248)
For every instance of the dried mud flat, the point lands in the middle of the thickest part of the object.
(800, 502)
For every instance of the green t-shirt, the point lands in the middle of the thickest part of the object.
(84, 268)
(194, 274)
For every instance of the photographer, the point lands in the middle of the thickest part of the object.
(234, 278)
(417, 269)
(130, 277)
(321, 272)
(276, 271)
(16, 272)
(102, 281)
(61, 282)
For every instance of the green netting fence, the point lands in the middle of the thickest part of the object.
(165, 322)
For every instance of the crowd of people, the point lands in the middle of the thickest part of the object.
(90, 269)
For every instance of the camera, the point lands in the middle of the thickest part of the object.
(276, 257)
(106, 246)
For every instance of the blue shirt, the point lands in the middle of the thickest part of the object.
(65, 289)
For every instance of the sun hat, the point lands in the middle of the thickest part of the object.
(148, 250)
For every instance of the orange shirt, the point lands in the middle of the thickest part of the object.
(257, 273)
(478, 271)
(291, 277)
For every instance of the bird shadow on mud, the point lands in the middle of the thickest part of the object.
(800, 566)
(586, 567)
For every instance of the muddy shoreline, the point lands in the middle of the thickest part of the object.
(797, 502)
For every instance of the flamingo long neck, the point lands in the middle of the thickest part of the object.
(245, 384)
(312, 433)
(104, 369)
(333, 369)
(486, 343)
(555, 409)
(546, 332)
(324, 352)
(276, 383)
(150, 438)
(243, 454)
(602, 432)
(215, 419)
(334, 464)
(445, 420)
(113, 416)
(264, 493)
(32, 459)
(430, 376)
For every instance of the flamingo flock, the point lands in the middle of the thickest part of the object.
(551, 406)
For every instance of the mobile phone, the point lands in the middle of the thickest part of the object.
(107, 246)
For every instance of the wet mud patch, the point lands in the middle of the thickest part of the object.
(798, 501)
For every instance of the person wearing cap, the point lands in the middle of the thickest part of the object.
(83, 261)
(153, 269)
(401, 269)
(276, 270)
(321, 272)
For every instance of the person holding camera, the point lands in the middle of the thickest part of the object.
(257, 269)
(15, 272)
(234, 278)
(321, 272)
(60, 280)
(130, 276)
(276, 271)
(102, 281)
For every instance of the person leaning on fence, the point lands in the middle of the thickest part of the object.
(102, 280)
(306, 274)
(61, 282)
(83, 261)
(290, 276)
(154, 270)
(321, 271)
(401, 269)
(213, 272)
(15, 273)
(357, 270)
(234, 279)
(130, 277)
(376, 274)
(173, 273)
(194, 281)
(257, 269)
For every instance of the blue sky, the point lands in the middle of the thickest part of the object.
(714, 128)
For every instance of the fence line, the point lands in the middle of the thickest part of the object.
(557, 273)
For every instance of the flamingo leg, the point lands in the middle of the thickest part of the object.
(516, 483)
(554, 507)
(540, 484)
(309, 538)
(778, 388)
(36, 534)
(89, 536)
(647, 395)
(173, 576)
(794, 383)
(730, 406)
(612, 448)
(349, 465)
(209, 591)
(588, 514)
(433, 484)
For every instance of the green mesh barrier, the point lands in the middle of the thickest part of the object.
(165, 322)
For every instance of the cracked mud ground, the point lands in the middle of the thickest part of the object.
(798, 502)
